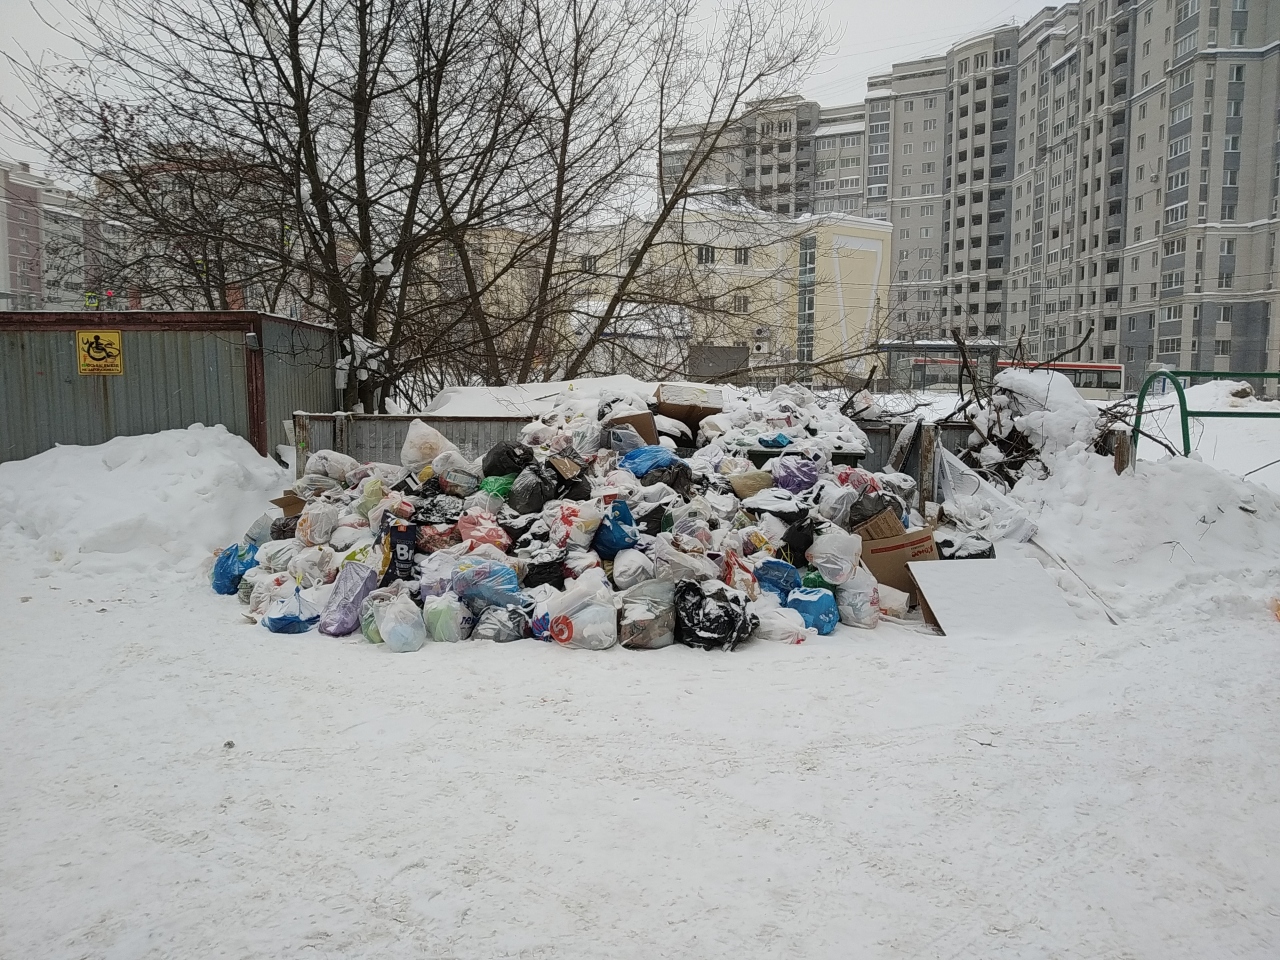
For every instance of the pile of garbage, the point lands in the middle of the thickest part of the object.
(590, 531)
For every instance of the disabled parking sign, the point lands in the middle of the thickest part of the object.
(99, 353)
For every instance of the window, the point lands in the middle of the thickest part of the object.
(1182, 78)
(878, 149)
(849, 183)
(827, 143)
(878, 170)
(926, 210)
(906, 170)
(1185, 46)
(1235, 108)
(1226, 279)
(1172, 279)
(1237, 38)
(927, 167)
(908, 106)
(589, 264)
(1179, 113)
(1228, 211)
(929, 146)
(846, 162)
(1227, 246)
(741, 304)
(1236, 73)
(1174, 247)
(742, 256)
(706, 253)
(929, 125)
(1171, 345)
(908, 127)
(1231, 144)
(875, 128)
(881, 190)
(1180, 146)
(1175, 214)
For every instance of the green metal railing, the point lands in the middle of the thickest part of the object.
(1172, 376)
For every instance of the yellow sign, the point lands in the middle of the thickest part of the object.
(99, 353)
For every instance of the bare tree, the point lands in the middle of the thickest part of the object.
(412, 171)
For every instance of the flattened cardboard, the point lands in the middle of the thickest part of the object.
(888, 559)
(290, 503)
(992, 598)
(643, 423)
(568, 469)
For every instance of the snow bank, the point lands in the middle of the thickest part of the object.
(1237, 446)
(1177, 537)
(156, 502)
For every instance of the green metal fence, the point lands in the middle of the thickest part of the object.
(1172, 376)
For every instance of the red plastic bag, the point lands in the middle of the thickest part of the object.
(483, 528)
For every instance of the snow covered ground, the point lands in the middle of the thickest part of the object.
(177, 782)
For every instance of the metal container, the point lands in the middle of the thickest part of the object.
(245, 370)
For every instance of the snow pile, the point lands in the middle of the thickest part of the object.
(1239, 446)
(791, 416)
(1045, 407)
(162, 501)
(1177, 537)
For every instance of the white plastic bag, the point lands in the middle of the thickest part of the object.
(782, 625)
(400, 625)
(582, 617)
(317, 522)
(447, 619)
(423, 444)
(858, 600)
(330, 463)
(631, 567)
(314, 565)
(835, 555)
(274, 555)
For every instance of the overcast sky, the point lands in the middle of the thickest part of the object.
(867, 37)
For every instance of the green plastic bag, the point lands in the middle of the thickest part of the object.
(498, 486)
(814, 580)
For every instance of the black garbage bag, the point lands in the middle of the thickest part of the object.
(797, 541)
(517, 525)
(549, 570)
(284, 528)
(649, 517)
(440, 508)
(535, 485)
(579, 488)
(506, 458)
(711, 615)
(964, 546)
(869, 505)
(677, 475)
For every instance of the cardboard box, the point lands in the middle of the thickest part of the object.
(888, 558)
(643, 423)
(689, 403)
(883, 526)
(290, 503)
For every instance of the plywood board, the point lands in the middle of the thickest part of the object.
(992, 598)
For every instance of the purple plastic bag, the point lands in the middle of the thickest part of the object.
(795, 474)
(341, 615)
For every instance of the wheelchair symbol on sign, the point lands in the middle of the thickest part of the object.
(99, 350)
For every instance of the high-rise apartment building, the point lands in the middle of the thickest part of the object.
(41, 234)
(1108, 170)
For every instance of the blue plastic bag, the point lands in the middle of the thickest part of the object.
(773, 441)
(777, 576)
(231, 566)
(640, 461)
(617, 531)
(817, 606)
(291, 614)
(485, 583)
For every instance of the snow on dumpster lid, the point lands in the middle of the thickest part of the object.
(527, 400)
